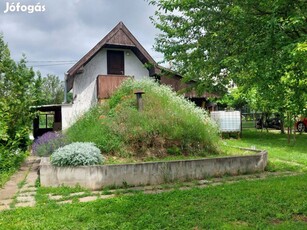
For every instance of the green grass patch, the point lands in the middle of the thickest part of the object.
(225, 151)
(282, 156)
(42, 195)
(274, 203)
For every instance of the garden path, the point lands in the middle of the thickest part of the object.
(20, 190)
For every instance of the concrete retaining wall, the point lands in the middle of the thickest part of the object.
(96, 177)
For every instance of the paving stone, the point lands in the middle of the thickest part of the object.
(55, 197)
(25, 204)
(31, 178)
(116, 190)
(3, 207)
(203, 182)
(149, 187)
(88, 198)
(96, 192)
(202, 186)
(107, 196)
(27, 194)
(6, 202)
(135, 188)
(184, 188)
(153, 191)
(188, 184)
(217, 183)
(25, 199)
(77, 194)
(65, 202)
(27, 189)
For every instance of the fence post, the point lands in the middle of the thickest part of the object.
(139, 100)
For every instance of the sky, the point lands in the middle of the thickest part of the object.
(55, 34)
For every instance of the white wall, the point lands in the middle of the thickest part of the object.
(85, 86)
(67, 117)
(134, 67)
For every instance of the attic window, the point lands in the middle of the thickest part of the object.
(115, 61)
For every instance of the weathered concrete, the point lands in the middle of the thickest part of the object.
(96, 177)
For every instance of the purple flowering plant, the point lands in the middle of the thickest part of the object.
(46, 144)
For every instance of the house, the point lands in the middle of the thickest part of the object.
(98, 73)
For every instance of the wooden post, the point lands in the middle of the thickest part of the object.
(139, 100)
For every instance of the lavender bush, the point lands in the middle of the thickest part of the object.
(46, 144)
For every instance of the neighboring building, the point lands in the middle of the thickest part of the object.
(96, 75)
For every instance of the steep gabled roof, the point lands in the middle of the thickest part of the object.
(119, 36)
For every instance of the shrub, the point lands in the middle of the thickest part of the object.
(46, 144)
(10, 160)
(77, 154)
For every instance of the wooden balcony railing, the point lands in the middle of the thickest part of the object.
(107, 84)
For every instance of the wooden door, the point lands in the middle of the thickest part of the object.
(115, 61)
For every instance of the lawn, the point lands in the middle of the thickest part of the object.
(272, 203)
(276, 203)
(282, 156)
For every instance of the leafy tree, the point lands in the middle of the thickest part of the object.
(53, 90)
(234, 99)
(260, 45)
(18, 91)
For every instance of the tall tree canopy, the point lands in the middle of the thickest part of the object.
(19, 89)
(260, 45)
(53, 89)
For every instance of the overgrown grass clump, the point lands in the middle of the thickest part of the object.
(168, 125)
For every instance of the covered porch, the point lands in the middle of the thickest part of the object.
(48, 118)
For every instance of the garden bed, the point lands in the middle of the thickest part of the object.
(150, 173)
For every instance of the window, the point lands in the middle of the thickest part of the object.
(46, 120)
(115, 60)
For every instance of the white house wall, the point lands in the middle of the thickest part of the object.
(85, 86)
(66, 110)
(134, 67)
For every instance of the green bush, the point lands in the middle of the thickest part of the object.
(10, 160)
(77, 154)
(167, 122)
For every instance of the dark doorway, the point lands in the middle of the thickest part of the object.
(48, 118)
(115, 60)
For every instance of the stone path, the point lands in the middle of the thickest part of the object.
(20, 191)
(110, 193)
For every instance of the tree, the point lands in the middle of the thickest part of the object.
(260, 45)
(53, 90)
(18, 91)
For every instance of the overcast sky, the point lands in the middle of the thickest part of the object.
(65, 30)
